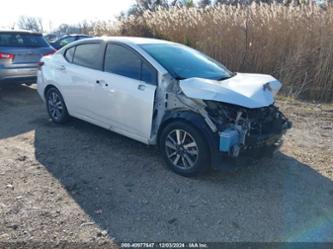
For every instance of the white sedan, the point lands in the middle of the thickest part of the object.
(167, 94)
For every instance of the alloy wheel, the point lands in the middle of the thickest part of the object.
(55, 105)
(181, 149)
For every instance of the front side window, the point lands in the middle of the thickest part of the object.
(183, 62)
(121, 60)
(87, 55)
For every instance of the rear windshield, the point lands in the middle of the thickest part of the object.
(22, 40)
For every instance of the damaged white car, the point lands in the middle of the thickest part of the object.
(166, 94)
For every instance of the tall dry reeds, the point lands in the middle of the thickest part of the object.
(295, 44)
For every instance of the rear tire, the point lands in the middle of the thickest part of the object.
(184, 149)
(56, 106)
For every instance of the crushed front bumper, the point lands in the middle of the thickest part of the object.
(255, 147)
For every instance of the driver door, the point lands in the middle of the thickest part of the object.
(129, 85)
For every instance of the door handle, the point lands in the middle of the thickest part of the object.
(141, 87)
(102, 82)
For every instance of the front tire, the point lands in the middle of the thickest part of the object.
(56, 106)
(184, 149)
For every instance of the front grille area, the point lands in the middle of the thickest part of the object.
(265, 121)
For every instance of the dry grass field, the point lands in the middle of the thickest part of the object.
(292, 43)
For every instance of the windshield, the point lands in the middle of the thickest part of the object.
(183, 62)
(22, 40)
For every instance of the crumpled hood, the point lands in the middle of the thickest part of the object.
(247, 90)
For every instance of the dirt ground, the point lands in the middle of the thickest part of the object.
(81, 183)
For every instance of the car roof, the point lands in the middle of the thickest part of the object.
(19, 31)
(136, 40)
(74, 35)
(132, 40)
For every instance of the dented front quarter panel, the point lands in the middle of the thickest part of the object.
(247, 90)
(187, 99)
(169, 98)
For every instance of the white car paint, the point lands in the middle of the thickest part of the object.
(126, 106)
(243, 89)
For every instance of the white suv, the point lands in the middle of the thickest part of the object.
(167, 94)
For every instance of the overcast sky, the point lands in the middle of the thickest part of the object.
(56, 12)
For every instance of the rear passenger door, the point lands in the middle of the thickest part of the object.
(83, 69)
(129, 82)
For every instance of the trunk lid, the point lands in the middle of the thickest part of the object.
(26, 55)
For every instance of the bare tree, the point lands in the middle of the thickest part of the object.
(204, 3)
(84, 27)
(30, 23)
(68, 29)
(142, 5)
(152, 4)
(231, 2)
(183, 3)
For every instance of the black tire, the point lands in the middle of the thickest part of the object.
(56, 106)
(198, 153)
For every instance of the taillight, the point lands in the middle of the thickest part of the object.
(6, 56)
(40, 64)
(49, 53)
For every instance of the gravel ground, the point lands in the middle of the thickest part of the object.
(78, 182)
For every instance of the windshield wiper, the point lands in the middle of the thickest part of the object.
(223, 78)
(180, 78)
(226, 77)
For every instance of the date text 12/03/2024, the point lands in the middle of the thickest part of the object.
(163, 245)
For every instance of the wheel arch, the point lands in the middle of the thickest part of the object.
(66, 112)
(49, 87)
(193, 119)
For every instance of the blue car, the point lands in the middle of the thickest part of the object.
(63, 41)
(20, 54)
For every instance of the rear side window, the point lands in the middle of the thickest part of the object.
(87, 55)
(22, 40)
(69, 54)
(121, 60)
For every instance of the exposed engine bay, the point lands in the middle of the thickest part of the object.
(244, 128)
(237, 127)
(257, 121)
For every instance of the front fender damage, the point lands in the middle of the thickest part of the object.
(235, 127)
(170, 98)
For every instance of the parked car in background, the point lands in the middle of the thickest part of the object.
(51, 37)
(167, 94)
(20, 54)
(63, 41)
